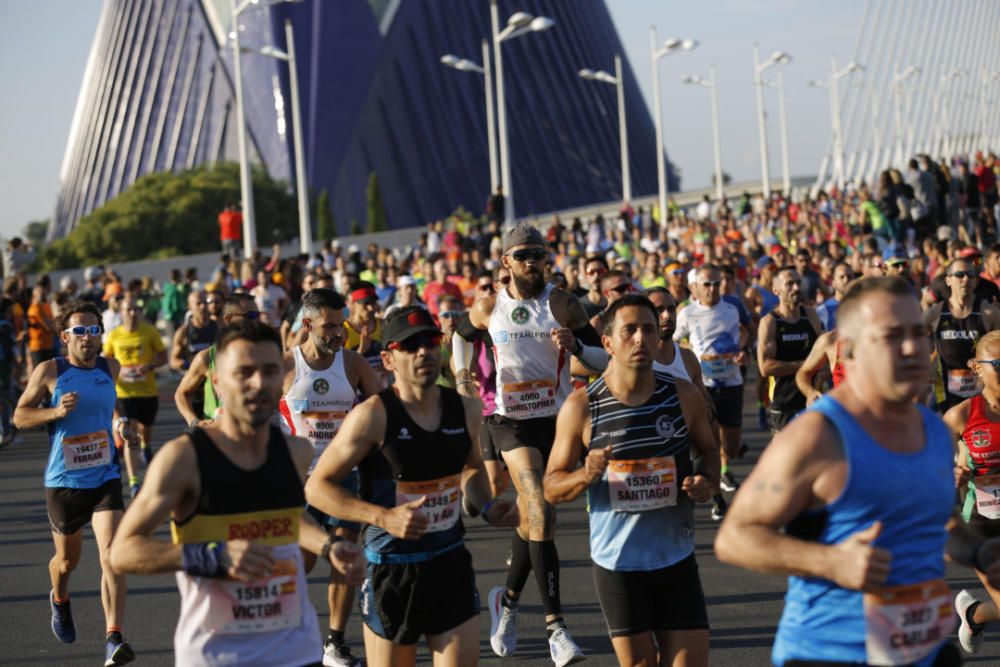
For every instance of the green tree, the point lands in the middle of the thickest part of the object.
(169, 214)
(325, 225)
(34, 233)
(377, 221)
(355, 228)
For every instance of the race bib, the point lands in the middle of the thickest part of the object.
(322, 426)
(717, 367)
(903, 624)
(441, 506)
(89, 450)
(642, 484)
(962, 382)
(132, 374)
(260, 606)
(988, 496)
(533, 398)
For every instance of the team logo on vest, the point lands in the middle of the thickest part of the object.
(981, 439)
(321, 386)
(404, 434)
(519, 315)
(665, 426)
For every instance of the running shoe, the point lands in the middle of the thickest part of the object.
(62, 620)
(117, 651)
(339, 655)
(563, 649)
(719, 510)
(503, 628)
(728, 482)
(969, 640)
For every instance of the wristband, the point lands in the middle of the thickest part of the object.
(486, 508)
(133, 481)
(203, 559)
(193, 423)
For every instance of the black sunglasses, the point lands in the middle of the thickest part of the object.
(529, 254)
(963, 274)
(995, 363)
(624, 288)
(415, 342)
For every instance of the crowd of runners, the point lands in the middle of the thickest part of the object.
(361, 405)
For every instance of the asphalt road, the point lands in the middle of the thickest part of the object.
(743, 607)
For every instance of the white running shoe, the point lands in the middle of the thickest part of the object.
(969, 640)
(563, 649)
(503, 629)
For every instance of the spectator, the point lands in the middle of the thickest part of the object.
(231, 230)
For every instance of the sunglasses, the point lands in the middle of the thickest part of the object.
(624, 288)
(505, 280)
(533, 254)
(898, 265)
(211, 301)
(995, 363)
(250, 315)
(963, 274)
(81, 331)
(451, 313)
(593, 272)
(484, 288)
(416, 342)
(711, 283)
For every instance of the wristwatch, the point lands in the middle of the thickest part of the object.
(194, 423)
(121, 421)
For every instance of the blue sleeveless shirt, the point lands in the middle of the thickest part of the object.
(83, 454)
(912, 495)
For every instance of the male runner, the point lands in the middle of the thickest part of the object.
(363, 327)
(196, 334)
(535, 327)
(785, 336)
(713, 327)
(196, 387)
(976, 422)
(415, 445)
(321, 384)
(956, 326)
(827, 311)
(238, 556)
(635, 429)
(669, 356)
(82, 478)
(139, 349)
(614, 285)
(831, 503)
(813, 377)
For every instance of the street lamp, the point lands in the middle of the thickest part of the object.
(519, 23)
(988, 78)
(246, 179)
(464, 65)
(777, 58)
(945, 134)
(838, 137)
(619, 82)
(712, 84)
(897, 93)
(301, 185)
(672, 45)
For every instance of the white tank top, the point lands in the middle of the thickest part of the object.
(676, 367)
(532, 372)
(317, 402)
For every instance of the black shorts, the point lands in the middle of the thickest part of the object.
(728, 405)
(508, 434)
(402, 602)
(486, 444)
(142, 410)
(984, 528)
(658, 600)
(71, 509)
(778, 419)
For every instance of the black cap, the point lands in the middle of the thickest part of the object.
(521, 234)
(405, 322)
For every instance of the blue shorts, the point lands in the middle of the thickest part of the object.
(351, 483)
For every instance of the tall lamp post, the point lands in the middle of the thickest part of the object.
(670, 46)
(618, 81)
(838, 133)
(713, 88)
(464, 65)
(898, 79)
(777, 58)
(519, 23)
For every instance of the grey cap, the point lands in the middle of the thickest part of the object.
(521, 234)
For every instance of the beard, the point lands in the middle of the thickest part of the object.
(667, 334)
(529, 286)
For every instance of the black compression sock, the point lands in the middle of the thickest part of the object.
(336, 637)
(520, 564)
(970, 614)
(545, 563)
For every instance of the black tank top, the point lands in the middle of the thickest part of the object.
(258, 505)
(413, 462)
(955, 339)
(198, 338)
(793, 342)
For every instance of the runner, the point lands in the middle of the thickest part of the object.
(363, 327)
(195, 396)
(322, 381)
(717, 338)
(139, 349)
(785, 336)
(238, 556)
(842, 277)
(534, 328)
(976, 421)
(830, 503)
(669, 357)
(196, 334)
(822, 370)
(956, 326)
(640, 428)
(82, 478)
(415, 445)
(614, 285)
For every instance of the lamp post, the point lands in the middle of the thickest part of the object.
(838, 137)
(713, 88)
(618, 82)
(464, 65)
(945, 145)
(670, 46)
(519, 23)
(777, 58)
(898, 79)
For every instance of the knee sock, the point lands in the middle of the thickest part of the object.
(545, 563)
(520, 565)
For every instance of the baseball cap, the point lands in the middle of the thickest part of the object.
(775, 248)
(364, 292)
(405, 322)
(762, 262)
(894, 255)
(403, 281)
(673, 267)
(969, 252)
(521, 234)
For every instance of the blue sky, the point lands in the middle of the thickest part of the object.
(44, 46)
